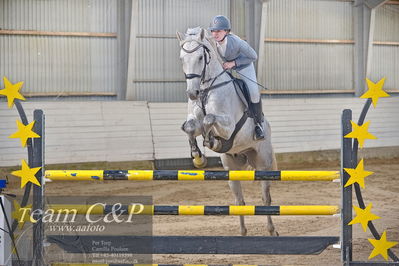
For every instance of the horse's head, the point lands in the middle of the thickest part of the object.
(195, 57)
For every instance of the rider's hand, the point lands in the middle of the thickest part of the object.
(229, 65)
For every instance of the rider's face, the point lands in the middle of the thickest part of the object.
(218, 35)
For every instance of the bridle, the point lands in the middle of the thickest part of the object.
(207, 57)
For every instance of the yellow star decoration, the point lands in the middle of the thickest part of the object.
(20, 215)
(27, 174)
(381, 246)
(360, 133)
(363, 216)
(24, 132)
(357, 175)
(11, 91)
(375, 91)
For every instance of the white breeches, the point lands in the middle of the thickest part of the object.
(253, 88)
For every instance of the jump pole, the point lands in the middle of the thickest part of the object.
(189, 175)
(232, 210)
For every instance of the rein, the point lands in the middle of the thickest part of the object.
(205, 92)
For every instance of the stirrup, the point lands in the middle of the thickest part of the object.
(259, 132)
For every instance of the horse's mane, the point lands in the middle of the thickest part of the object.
(212, 42)
(192, 33)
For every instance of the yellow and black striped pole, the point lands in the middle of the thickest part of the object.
(192, 175)
(102, 264)
(140, 209)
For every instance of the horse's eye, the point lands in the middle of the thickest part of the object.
(200, 57)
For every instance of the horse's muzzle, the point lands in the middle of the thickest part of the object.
(193, 94)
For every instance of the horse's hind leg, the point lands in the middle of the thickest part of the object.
(265, 160)
(235, 187)
(267, 199)
(229, 163)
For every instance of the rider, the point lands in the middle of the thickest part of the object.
(238, 55)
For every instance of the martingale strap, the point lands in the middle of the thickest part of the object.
(204, 93)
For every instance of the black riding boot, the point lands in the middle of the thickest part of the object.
(258, 119)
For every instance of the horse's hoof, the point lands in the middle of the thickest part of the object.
(217, 145)
(205, 143)
(274, 233)
(183, 125)
(244, 231)
(200, 162)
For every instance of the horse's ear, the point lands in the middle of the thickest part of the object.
(202, 35)
(180, 36)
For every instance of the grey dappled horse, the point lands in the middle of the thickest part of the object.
(216, 112)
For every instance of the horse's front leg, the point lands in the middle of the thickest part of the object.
(217, 125)
(264, 159)
(193, 128)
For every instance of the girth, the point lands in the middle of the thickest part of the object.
(227, 144)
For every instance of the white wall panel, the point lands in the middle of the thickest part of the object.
(127, 131)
